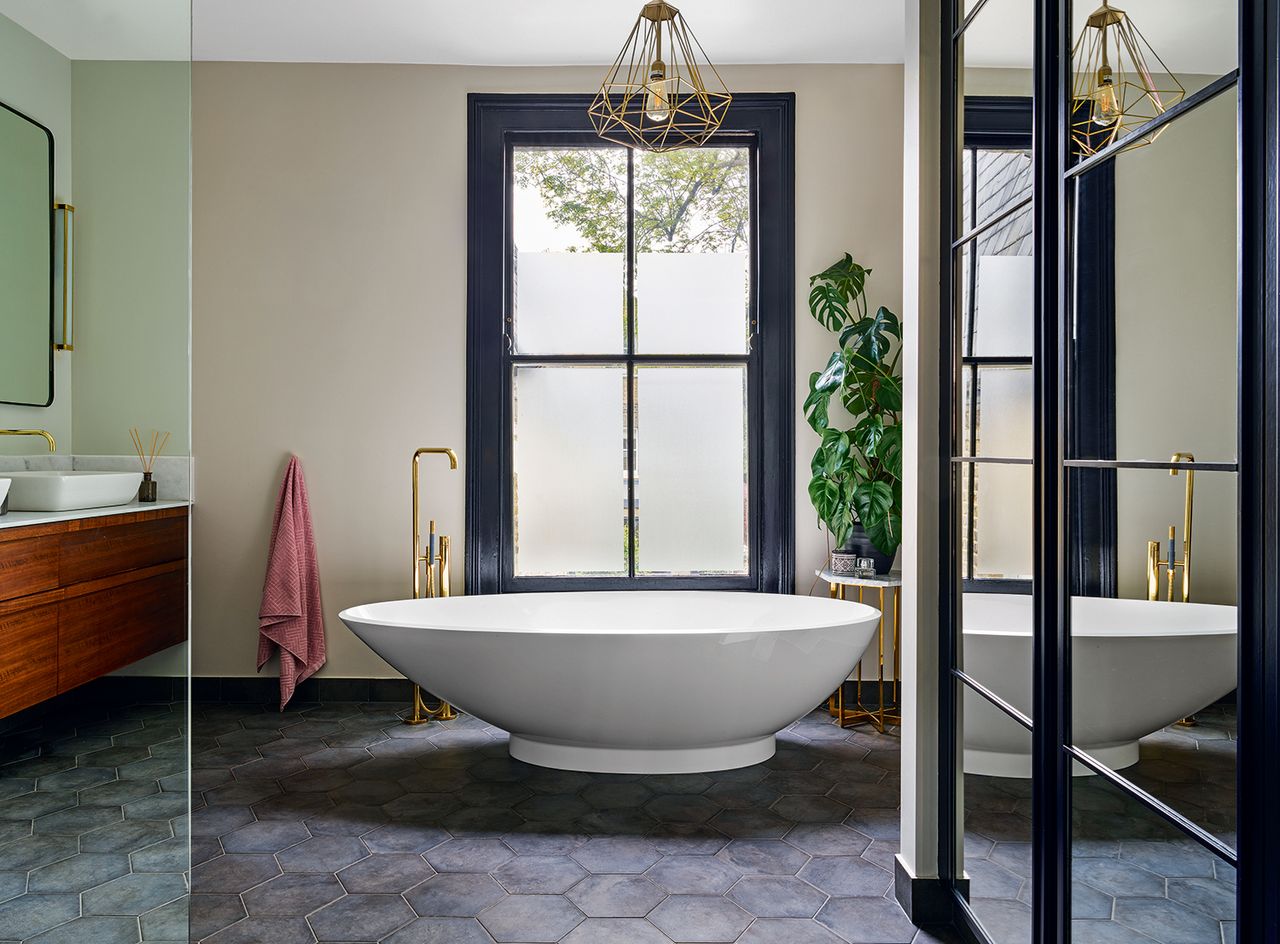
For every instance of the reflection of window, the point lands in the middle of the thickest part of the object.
(636, 361)
(997, 306)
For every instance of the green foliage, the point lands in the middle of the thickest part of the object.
(694, 200)
(857, 472)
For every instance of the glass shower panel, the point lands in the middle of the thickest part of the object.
(557, 243)
(569, 450)
(691, 470)
(995, 521)
(693, 242)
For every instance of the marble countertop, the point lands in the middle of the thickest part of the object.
(19, 519)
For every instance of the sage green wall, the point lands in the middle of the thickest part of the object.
(36, 80)
(131, 148)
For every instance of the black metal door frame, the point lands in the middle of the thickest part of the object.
(1257, 84)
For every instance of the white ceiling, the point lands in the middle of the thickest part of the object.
(539, 32)
(1191, 35)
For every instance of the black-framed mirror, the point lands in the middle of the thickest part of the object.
(26, 260)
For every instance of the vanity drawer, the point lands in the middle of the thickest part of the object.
(28, 566)
(95, 552)
(29, 669)
(101, 631)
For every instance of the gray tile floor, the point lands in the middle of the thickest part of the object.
(1136, 879)
(93, 828)
(337, 823)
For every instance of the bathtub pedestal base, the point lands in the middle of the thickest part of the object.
(630, 760)
(1018, 766)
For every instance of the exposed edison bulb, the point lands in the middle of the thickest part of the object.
(1106, 109)
(657, 97)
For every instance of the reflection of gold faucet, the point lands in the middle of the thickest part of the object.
(1172, 564)
(429, 562)
(32, 432)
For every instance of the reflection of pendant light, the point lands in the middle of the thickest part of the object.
(1114, 89)
(662, 92)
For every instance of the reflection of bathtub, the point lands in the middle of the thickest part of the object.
(632, 681)
(1137, 666)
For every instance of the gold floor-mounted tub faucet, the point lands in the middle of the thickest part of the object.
(1171, 565)
(434, 565)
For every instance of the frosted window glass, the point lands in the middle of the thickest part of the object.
(1002, 528)
(691, 303)
(569, 225)
(569, 303)
(1006, 301)
(693, 238)
(691, 470)
(570, 462)
(1003, 410)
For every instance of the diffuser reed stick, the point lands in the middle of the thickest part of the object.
(147, 456)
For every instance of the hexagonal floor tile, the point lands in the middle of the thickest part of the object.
(455, 894)
(696, 918)
(615, 896)
(539, 875)
(322, 854)
(763, 856)
(531, 918)
(360, 917)
(778, 896)
(693, 875)
(386, 872)
(294, 893)
(469, 855)
(846, 877)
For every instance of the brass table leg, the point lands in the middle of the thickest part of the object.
(423, 713)
(879, 717)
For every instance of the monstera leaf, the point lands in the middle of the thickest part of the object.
(835, 290)
(875, 505)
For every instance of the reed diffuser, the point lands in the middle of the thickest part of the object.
(147, 490)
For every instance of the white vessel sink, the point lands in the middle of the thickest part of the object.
(4, 490)
(68, 491)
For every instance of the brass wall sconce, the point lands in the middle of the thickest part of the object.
(64, 215)
(434, 564)
(1114, 90)
(662, 92)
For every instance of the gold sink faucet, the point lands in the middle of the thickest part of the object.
(53, 446)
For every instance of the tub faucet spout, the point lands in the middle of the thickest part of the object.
(48, 436)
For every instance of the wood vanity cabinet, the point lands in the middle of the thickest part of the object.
(82, 598)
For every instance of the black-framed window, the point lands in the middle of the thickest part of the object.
(630, 336)
(994, 337)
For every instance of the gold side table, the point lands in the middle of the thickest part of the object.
(888, 710)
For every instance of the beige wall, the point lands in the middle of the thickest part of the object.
(329, 305)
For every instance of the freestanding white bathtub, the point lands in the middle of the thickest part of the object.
(626, 681)
(1137, 666)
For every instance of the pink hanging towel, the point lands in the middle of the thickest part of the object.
(290, 618)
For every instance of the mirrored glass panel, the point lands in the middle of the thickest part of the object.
(1135, 875)
(693, 241)
(1154, 644)
(569, 227)
(691, 492)
(996, 806)
(1155, 335)
(1135, 60)
(993, 69)
(995, 522)
(569, 450)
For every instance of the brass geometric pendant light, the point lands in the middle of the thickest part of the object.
(1114, 89)
(662, 92)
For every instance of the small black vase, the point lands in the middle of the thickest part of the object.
(858, 543)
(147, 489)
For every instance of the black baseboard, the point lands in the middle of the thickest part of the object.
(927, 901)
(90, 699)
(266, 689)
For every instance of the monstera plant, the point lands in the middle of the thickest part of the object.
(857, 469)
